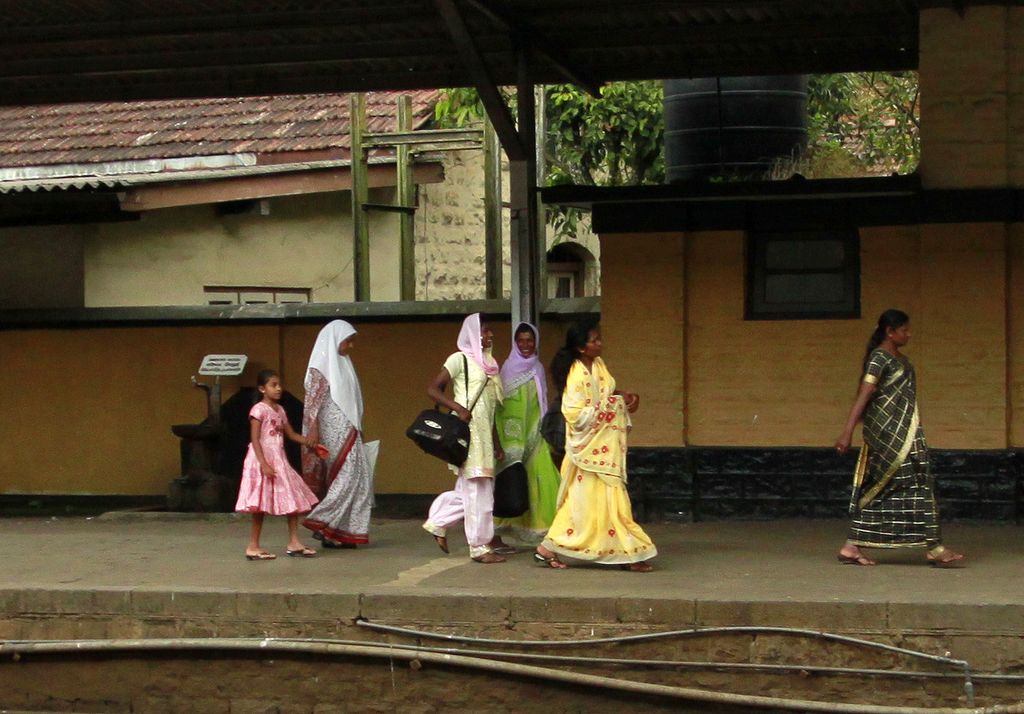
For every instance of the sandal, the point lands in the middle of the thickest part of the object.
(262, 555)
(859, 559)
(943, 557)
(640, 567)
(302, 552)
(328, 543)
(550, 561)
(442, 543)
(488, 558)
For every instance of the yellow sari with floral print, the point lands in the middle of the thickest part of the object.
(594, 520)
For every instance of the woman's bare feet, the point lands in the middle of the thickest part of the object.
(489, 558)
(548, 558)
(497, 545)
(638, 567)
(942, 557)
(852, 555)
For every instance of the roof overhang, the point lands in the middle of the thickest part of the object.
(797, 204)
(54, 51)
(121, 197)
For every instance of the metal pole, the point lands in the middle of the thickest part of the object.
(523, 194)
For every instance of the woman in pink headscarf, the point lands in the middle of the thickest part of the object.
(473, 374)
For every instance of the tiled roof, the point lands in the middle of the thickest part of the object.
(93, 133)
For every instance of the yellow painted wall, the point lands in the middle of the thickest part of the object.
(169, 255)
(1015, 333)
(642, 317)
(89, 411)
(683, 342)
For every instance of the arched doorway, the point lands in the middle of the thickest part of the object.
(571, 271)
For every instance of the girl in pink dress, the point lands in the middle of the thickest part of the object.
(269, 483)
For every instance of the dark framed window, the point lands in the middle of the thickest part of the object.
(803, 275)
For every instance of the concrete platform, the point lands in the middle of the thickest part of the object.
(145, 575)
(779, 573)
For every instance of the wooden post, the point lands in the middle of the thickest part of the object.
(360, 195)
(540, 138)
(493, 257)
(406, 199)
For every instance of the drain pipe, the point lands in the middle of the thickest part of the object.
(17, 650)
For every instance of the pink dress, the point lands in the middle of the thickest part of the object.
(284, 494)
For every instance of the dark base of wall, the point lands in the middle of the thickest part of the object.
(701, 484)
(716, 483)
(402, 505)
(388, 505)
(20, 505)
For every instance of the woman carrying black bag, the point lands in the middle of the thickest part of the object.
(473, 374)
(534, 495)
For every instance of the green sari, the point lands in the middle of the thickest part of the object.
(518, 420)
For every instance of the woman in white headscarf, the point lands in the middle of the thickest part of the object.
(342, 477)
(473, 374)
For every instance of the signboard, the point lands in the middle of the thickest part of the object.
(223, 365)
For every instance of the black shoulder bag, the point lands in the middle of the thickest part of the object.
(443, 434)
(552, 428)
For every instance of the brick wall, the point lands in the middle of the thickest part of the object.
(683, 342)
(964, 63)
(643, 315)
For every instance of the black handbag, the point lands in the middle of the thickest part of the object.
(443, 434)
(511, 493)
(552, 428)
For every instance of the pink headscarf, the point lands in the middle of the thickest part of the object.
(469, 345)
(519, 370)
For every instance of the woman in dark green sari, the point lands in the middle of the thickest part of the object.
(893, 501)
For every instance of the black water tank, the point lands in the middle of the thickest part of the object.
(732, 126)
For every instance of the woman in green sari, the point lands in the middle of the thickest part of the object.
(893, 501)
(518, 421)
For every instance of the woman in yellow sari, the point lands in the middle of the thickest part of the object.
(594, 521)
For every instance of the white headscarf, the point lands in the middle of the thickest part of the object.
(338, 370)
(469, 345)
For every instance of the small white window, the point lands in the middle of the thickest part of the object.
(246, 295)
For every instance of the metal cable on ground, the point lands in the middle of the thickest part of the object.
(388, 651)
(619, 639)
(962, 665)
(651, 663)
(689, 664)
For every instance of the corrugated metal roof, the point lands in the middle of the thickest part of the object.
(127, 180)
(117, 181)
(87, 50)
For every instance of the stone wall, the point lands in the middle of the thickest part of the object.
(450, 248)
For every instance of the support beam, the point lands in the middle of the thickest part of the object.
(489, 94)
(360, 194)
(540, 44)
(406, 200)
(526, 295)
(493, 253)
